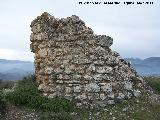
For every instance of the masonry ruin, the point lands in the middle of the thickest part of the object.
(71, 61)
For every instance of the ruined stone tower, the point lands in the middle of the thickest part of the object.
(73, 62)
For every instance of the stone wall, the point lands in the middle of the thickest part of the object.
(73, 62)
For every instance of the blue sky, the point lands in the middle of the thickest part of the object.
(134, 28)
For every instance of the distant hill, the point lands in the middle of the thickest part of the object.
(146, 67)
(15, 69)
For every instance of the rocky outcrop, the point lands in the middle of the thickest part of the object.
(73, 62)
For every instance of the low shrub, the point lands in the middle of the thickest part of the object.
(26, 94)
(2, 104)
(154, 82)
(24, 91)
(57, 105)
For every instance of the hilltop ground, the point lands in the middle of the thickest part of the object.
(25, 103)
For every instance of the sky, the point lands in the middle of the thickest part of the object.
(135, 29)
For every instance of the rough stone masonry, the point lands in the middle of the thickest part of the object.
(71, 61)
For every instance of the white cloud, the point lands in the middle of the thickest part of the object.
(11, 54)
(135, 29)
